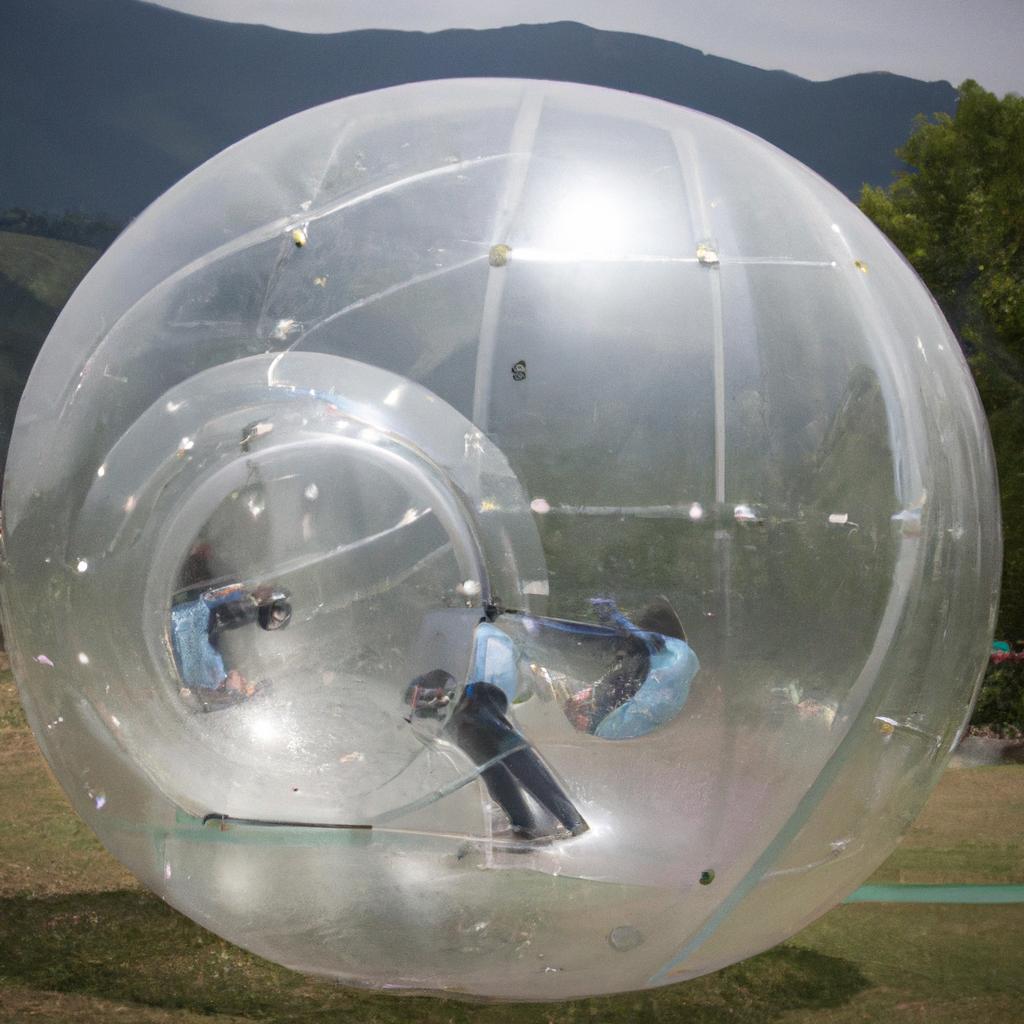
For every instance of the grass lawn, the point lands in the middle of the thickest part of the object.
(81, 942)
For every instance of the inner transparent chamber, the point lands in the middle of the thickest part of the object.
(490, 441)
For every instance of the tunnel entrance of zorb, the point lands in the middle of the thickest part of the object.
(345, 544)
(316, 561)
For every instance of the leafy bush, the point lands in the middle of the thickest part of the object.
(1000, 707)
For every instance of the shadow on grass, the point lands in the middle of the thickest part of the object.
(132, 948)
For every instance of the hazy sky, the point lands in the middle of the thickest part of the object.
(928, 39)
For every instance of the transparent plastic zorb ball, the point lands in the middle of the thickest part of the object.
(500, 537)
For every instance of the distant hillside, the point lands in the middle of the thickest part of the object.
(37, 275)
(92, 232)
(106, 103)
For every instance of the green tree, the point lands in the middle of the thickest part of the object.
(957, 214)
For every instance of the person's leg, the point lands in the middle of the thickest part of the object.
(482, 730)
(506, 793)
(534, 775)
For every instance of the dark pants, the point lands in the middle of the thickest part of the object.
(484, 732)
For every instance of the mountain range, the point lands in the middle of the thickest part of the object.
(106, 103)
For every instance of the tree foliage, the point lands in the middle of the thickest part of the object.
(957, 213)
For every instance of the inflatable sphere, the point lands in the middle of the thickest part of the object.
(498, 537)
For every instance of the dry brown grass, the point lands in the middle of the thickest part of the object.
(970, 831)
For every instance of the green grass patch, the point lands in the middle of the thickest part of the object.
(130, 948)
(935, 958)
(44, 846)
(130, 951)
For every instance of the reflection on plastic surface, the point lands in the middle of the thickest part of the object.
(500, 537)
